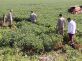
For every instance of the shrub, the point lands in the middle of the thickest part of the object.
(8, 38)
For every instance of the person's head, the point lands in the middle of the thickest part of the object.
(31, 11)
(11, 10)
(60, 15)
(69, 19)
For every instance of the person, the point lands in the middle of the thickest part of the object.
(60, 24)
(33, 17)
(9, 17)
(71, 30)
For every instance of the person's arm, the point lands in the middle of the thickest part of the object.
(4, 18)
(74, 28)
(64, 21)
(57, 23)
(36, 16)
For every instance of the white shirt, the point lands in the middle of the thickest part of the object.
(9, 16)
(33, 16)
(71, 27)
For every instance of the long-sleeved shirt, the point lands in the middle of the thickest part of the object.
(33, 16)
(9, 16)
(71, 27)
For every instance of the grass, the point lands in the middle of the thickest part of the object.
(71, 55)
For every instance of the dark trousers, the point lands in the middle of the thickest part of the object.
(71, 37)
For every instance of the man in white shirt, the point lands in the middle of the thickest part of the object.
(60, 24)
(71, 30)
(33, 17)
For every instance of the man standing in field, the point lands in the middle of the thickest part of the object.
(9, 18)
(33, 17)
(60, 24)
(71, 30)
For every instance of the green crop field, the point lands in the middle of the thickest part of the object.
(41, 35)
